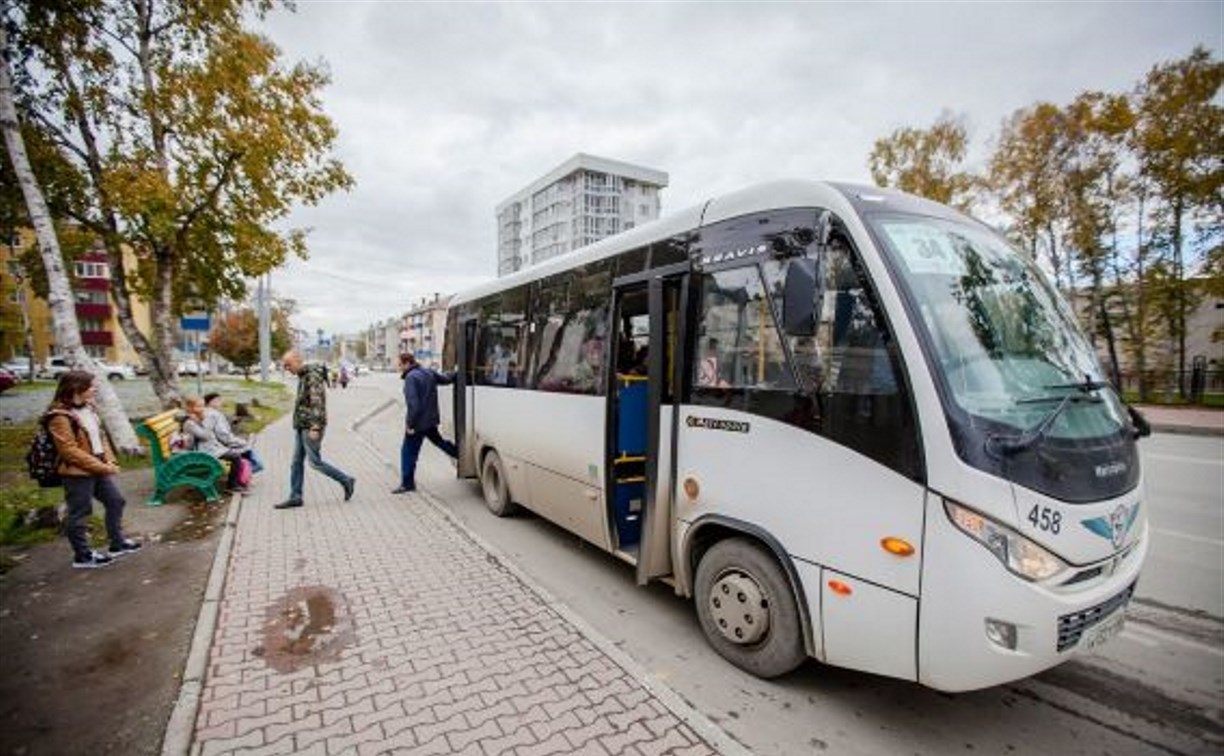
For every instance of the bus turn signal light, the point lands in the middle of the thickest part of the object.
(898, 546)
(840, 588)
(691, 488)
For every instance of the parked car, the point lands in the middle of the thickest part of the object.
(54, 367)
(116, 371)
(7, 380)
(57, 366)
(19, 367)
(193, 367)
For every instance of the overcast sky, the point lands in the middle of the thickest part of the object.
(446, 109)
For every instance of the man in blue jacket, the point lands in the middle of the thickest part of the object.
(421, 421)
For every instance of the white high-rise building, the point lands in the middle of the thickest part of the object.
(581, 201)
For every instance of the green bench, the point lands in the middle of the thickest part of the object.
(191, 468)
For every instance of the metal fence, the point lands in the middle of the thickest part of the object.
(1195, 385)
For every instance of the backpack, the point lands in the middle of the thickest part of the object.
(42, 460)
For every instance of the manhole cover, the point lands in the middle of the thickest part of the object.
(307, 626)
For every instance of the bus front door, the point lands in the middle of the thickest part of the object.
(465, 375)
(647, 359)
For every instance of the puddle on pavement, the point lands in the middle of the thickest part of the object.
(202, 519)
(309, 625)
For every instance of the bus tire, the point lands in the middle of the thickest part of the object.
(493, 484)
(747, 609)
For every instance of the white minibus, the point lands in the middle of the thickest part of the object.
(849, 423)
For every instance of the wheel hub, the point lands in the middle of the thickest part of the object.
(739, 608)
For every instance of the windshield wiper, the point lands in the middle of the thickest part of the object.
(1087, 386)
(1013, 444)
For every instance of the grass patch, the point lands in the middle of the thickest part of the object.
(19, 494)
(265, 403)
(27, 387)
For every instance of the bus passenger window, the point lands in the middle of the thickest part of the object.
(572, 318)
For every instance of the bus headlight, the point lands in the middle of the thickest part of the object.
(1017, 553)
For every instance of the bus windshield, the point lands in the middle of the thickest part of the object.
(1004, 343)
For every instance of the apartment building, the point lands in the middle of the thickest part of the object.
(579, 202)
(424, 329)
(101, 333)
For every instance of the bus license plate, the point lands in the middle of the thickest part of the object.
(1105, 630)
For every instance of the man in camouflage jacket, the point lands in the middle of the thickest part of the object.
(309, 423)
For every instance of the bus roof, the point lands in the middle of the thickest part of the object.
(841, 198)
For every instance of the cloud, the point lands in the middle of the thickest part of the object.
(446, 109)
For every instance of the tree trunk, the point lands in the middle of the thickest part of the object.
(1179, 293)
(63, 304)
(1110, 338)
(162, 375)
(165, 383)
(1139, 342)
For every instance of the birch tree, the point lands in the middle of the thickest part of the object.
(196, 139)
(60, 299)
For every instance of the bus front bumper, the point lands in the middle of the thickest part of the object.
(980, 625)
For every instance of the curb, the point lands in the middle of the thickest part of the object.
(1188, 430)
(181, 727)
(715, 736)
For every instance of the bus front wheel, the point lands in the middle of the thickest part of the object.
(493, 483)
(747, 609)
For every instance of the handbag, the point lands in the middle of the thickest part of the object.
(244, 471)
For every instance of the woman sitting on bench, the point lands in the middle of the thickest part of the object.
(206, 441)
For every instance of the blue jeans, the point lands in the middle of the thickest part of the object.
(303, 450)
(410, 451)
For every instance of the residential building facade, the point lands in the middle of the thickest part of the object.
(581, 201)
(424, 328)
(101, 334)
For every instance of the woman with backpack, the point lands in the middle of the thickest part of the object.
(87, 467)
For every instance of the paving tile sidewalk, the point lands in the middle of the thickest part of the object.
(379, 626)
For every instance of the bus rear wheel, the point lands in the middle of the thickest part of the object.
(747, 609)
(493, 484)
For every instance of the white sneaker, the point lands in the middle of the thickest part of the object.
(127, 547)
(95, 560)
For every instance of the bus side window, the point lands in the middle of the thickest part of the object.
(738, 344)
(570, 354)
(864, 400)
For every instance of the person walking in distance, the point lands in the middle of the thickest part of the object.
(421, 419)
(87, 467)
(309, 423)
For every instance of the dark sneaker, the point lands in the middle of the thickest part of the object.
(92, 561)
(128, 546)
(349, 486)
(288, 504)
(403, 490)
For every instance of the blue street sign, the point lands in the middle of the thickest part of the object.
(194, 322)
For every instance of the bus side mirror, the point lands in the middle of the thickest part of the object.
(1142, 428)
(799, 298)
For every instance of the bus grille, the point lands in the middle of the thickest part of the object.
(1072, 626)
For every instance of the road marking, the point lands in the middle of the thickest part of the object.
(1184, 536)
(1136, 633)
(1188, 460)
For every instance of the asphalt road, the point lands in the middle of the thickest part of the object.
(1157, 688)
(1185, 493)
